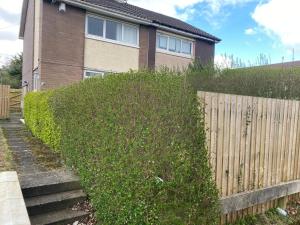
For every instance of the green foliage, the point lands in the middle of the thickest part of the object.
(266, 82)
(137, 141)
(11, 74)
(40, 119)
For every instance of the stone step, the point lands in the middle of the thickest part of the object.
(61, 217)
(46, 183)
(53, 202)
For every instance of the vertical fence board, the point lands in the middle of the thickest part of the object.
(253, 143)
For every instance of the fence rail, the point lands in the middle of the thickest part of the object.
(4, 101)
(254, 146)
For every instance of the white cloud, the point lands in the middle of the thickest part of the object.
(171, 7)
(250, 31)
(11, 6)
(280, 18)
(10, 12)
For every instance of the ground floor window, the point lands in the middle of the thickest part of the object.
(93, 73)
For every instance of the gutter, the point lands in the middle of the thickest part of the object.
(23, 19)
(124, 16)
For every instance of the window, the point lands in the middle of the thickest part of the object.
(186, 47)
(163, 41)
(89, 74)
(95, 26)
(174, 44)
(129, 35)
(113, 30)
(105, 29)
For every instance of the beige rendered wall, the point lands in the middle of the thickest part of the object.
(106, 56)
(37, 19)
(171, 61)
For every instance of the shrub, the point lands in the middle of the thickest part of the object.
(137, 141)
(266, 82)
(40, 119)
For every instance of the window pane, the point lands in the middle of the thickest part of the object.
(95, 26)
(186, 47)
(130, 35)
(162, 42)
(113, 30)
(89, 74)
(174, 44)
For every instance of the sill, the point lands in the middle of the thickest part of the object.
(174, 53)
(110, 41)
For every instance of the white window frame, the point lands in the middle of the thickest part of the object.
(101, 73)
(167, 51)
(99, 38)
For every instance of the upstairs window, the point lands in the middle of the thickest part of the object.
(162, 41)
(186, 47)
(111, 30)
(174, 44)
(95, 26)
(130, 34)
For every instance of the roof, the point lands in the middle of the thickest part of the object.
(138, 13)
(152, 16)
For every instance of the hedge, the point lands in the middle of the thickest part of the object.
(137, 141)
(282, 83)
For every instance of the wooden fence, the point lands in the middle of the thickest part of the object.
(4, 101)
(15, 100)
(254, 146)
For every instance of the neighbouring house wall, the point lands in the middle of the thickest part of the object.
(147, 47)
(37, 19)
(205, 51)
(106, 56)
(28, 46)
(62, 45)
(171, 61)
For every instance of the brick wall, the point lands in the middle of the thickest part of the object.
(27, 69)
(147, 47)
(204, 51)
(62, 45)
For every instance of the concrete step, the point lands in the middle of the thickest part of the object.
(46, 183)
(47, 203)
(62, 217)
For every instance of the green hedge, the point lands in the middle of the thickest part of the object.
(137, 141)
(265, 82)
(40, 119)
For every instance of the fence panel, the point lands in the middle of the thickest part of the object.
(4, 101)
(15, 100)
(254, 146)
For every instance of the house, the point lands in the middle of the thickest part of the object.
(68, 40)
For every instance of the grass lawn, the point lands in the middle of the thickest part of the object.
(6, 158)
(273, 218)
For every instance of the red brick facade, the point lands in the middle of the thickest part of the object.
(28, 46)
(62, 45)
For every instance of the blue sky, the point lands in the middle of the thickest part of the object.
(247, 28)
